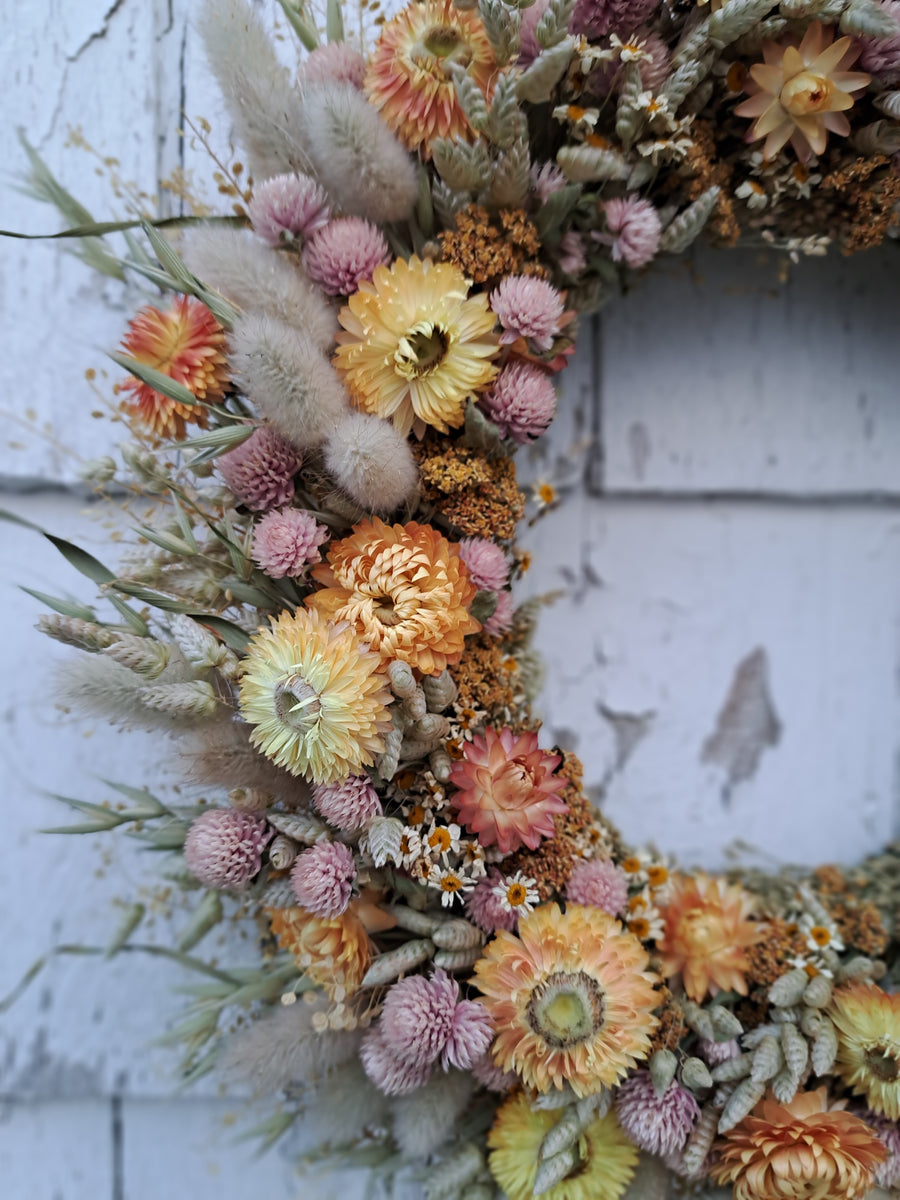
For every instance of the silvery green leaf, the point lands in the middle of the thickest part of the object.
(591, 164)
(553, 213)
(334, 21)
(511, 176)
(736, 18)
(642, 171)
(131, 919)
(537, 82)
(304, 30)
(480, 433)
(506, 121)
(554, 23)
(206, 916)
(688, 225)
(462, 167)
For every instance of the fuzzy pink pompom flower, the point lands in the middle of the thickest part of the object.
(547, 179)
(715, 1053)
(529, 308)
(336, 62)
(887, 1175)
(880, 56)
(484, 907)
(424, 1019)
(657, 1124)
(599, 882)
(287, 541)
(521, 403)
(261, 470)
(287, 207)
(322, 878)
(347, 805)
(392, 1075)
(634, 231)
(501, 619)
(596, 17)
(223, 848)
(343, 253)
(486, 563)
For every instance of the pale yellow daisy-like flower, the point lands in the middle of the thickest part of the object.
(316, 697)
(571, 997)
(607, 1158)
(416, 345)
(867, 1020)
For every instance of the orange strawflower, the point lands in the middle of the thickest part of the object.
(403, 588)
(798, 1151)
(408, 79)
(186, 343)
(706, 932)
(333, 951)
(572, 999)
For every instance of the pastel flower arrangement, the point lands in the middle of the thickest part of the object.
(327, 413)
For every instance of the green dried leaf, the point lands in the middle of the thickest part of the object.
(131, 919)
(334, 21)
(156, 379)
(303, 29)
(553, 213)
(206, 916)
(480, 433)
(68, 608)
(169, 259)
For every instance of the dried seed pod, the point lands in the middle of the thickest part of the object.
(566, 1132)
(811, 1022)
(414, 922)
(784, 1086)
(142, 655)
(740, 1103)
(384, 837)
(753, 1037)
(788, 989)
(698, 1019)
(390, 966)
(389, 759)
(457, 960)
(889, 104)
(403, 681)
(440, 691)
(456, 1174)
(795, 1048)
(74, 631)
(250, 800)
(554, 1170)
(429, 726)
(824, 1049)
(725, 1024)
(818, 992)
(414, 706)
(303, 827)
(695, 1075)
(192, 699)
(700, 1141)
(858, 967)
(663, 1066)
(457, 934)
(441, 765)
(767, 1060)
(282, 852)
(278, 893)
(732, 1068)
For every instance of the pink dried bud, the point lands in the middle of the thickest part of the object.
(288, 207)
(600, 883)
(343, 253)
(224, 848)
(285, 543)
(656, 1124)
(322, 878)
(392, 1075)
(261, 470)
(522, 402)
(486, 563)
(501, 619)
(348, 805)
(484, 907)
(635, 230)
(529, 308)
(335, 62)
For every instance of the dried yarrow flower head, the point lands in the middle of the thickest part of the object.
(486, 563)
(187, 343)
(800, 94)
(285, 543)
(335, 62)
(867, 1020)
(315, 696)
(224, 848)
(706, 931)
(403, 588)
(261, 470)
(416, 345)
(334, 952)
(288, 208)
(803, 1150)
(507, 792)
(657, 1124)
(322, 878)
(634, 231)
(601, 1168)
(409, 77)
(521, 402)
(349, 804)
(528, 308)
(571, 998)
(601, 883)
(343, 253)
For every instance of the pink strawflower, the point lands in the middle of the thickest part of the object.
(522, 401)
(335, 62)
(653, 67)
(485, 562)
(634, 230)
(715, 1053)
(261, 470)
(223, 848)
(571, 253)
(881, 56)
(322, 878)
(287, 207)
(887, 1174)
(485, 909)
(596, 17)
(529, 308)
(599, 882)
(424, 1019)
(529, 46)
(347, 805)
(657, 1124)
(501, 619)
(491, 1077)
(392, 1075)
(286, 542)
(343, 253)
(547, 179)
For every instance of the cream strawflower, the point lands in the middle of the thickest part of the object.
(867, 1020)
(416, 346)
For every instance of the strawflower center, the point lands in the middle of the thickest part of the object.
(385, 611)
(806, 93)
(566, 1008)
(442, 41)
(421, 351)
(297, 703)
(882, 1061)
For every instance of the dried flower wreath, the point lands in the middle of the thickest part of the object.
(494, 991)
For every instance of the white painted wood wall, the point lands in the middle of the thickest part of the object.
(724, 652)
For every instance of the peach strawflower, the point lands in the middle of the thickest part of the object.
(507, 792)
(572, 998)
(334, 952)
(416, 345)
(186, 343)
(798, 1151)
(705, 933)
(403, 588)
(408, 79)
(800, 93)
(867, 1020)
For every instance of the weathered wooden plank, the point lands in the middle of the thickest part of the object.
(57, 1150)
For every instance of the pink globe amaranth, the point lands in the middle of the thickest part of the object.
(547, 179)
(348, 805)
(344, 253)
(484, 907)
(529, 308)
(521, 403)
(424, 1020)
(392, 1075)
(501, 619)
(224, 848)
(507, 789)
(322, 878)
(286, 542)
(657, 1124)
(287, 208)
(599, 882)
(261, 470)
(490, 1076)
(486, 563)
(529, 46)
(887, 1174)
(623, 17)
(634, 230)
(881, 56)
(335, 62)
